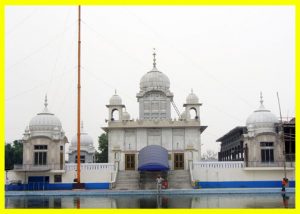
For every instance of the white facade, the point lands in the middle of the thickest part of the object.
(180, 137)
(44, 156)
(236, 171)
(90, 173)
(263, 144)
(87, 149)
(44, 143)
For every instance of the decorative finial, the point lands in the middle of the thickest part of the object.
(46, 101)
(154, 60)
(115, 91)
(261, 98)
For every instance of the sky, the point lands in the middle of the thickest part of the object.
(226, 54)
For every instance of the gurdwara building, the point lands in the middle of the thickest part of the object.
(168, 143)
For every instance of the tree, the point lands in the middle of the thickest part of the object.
(102, 156)
(210, 155)
(13, 154)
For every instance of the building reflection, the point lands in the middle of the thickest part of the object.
(156, 201)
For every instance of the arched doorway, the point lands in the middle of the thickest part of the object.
(193, 113)
(115, 114)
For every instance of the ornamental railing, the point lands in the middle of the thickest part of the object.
(66, 167)
(218, 164)
(90, 166)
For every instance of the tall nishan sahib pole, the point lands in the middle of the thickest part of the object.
(78, 100)
(282, 137)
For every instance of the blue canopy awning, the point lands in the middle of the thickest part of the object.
(153, 158)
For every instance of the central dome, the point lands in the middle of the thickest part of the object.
(154, 79)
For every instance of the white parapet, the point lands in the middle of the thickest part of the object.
(90, 166)
(237, 171)
(90, 172)
(218, 164)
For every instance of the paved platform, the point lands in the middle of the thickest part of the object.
(149, 192)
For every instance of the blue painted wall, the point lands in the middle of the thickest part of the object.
(242, 184)
(56, 186)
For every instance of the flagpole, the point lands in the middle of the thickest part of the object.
(78, 99)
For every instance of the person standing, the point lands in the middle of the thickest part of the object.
(284, 183)
(159, 181)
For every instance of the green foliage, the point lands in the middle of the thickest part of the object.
(13, 154)
(102, 156)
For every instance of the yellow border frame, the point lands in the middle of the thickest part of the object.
(3, 3)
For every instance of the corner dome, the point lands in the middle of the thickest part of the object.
(115, 100)
(192, 98)
(261, 119)
(261, 115)
(185, 115)
(45, 121)
(126, 115)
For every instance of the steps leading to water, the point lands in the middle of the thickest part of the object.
(179, 179)
(127, 180)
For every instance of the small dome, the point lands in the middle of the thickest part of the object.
(183, 115)
(115, 100)
(85, 139)
(45, 121)
(192, 98)
(261, 119)
(126, 115)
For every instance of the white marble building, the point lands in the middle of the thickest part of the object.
(263, 144)
(44, 144)
(43, 150)
(181, 137)
(87, 149)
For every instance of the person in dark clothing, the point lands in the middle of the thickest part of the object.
(284, 183)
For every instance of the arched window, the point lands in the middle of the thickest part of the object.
(115, 114)
(193, 113)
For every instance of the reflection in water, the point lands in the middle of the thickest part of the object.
(285, 199)
(57, 203)
(156, 201)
